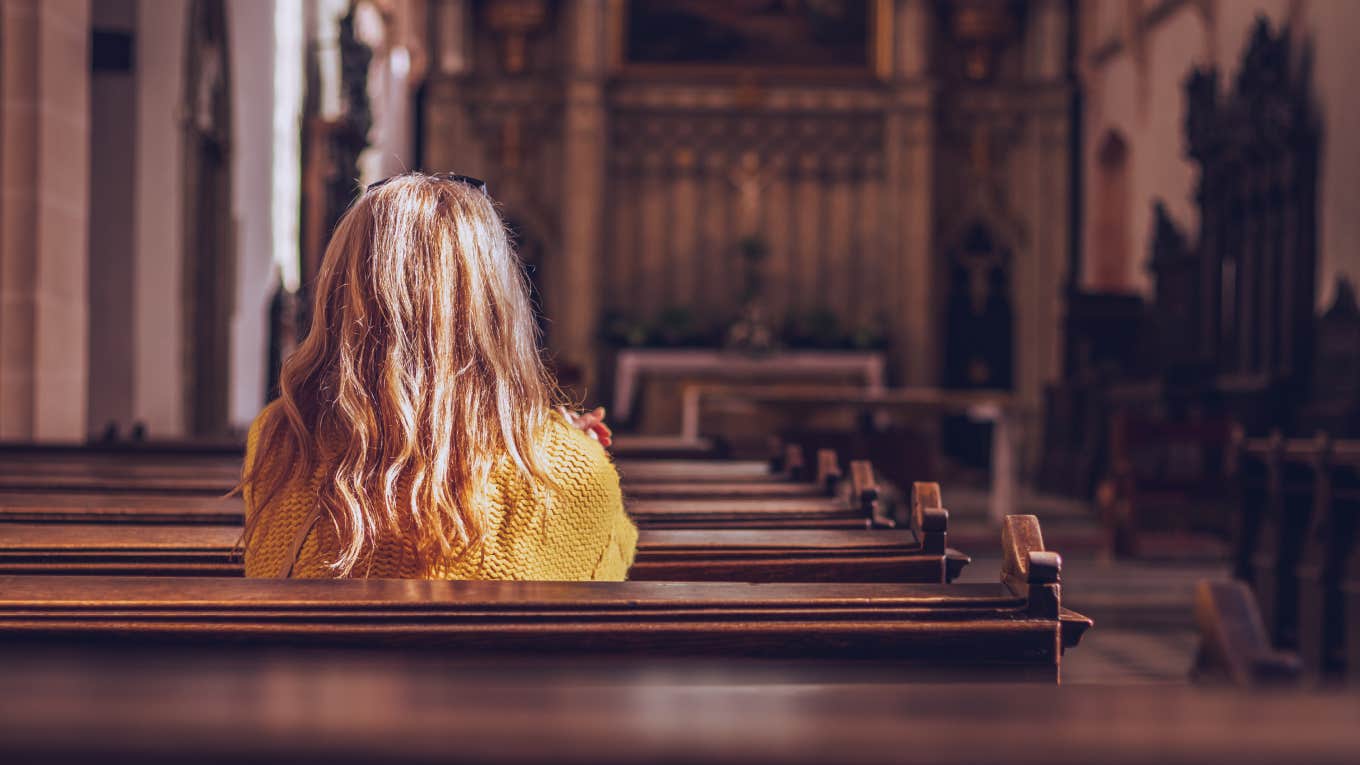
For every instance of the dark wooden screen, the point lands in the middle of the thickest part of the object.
(1256, 146)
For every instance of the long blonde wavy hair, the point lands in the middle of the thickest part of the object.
(420, 373)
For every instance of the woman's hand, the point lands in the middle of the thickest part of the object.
(592, 423)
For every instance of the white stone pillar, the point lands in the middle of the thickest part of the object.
(158, 370)
(44, 219)
(449, 145)
(1043, 177)
(266, 57)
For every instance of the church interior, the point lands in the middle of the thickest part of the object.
(992, 364)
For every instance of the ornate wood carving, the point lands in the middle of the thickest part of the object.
(514, 21)
(1334, 393)
(1176, 270)
(981, 29)
(1257, 148)
(692, 181)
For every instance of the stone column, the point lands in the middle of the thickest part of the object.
(158, 304)
(910, 137)
(44, 219)
(1043, 195)
(573, 297)
(448, 140)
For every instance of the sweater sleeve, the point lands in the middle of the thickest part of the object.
(589, 485)
(248, 465)
(619, 552)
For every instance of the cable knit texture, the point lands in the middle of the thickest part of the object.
(576, 530)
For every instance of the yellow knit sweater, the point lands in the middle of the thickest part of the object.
(576, 530)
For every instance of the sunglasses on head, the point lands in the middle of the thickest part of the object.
(476, 183)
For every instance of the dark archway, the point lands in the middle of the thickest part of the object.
(979, 346)
(209, 261)
(532, 252)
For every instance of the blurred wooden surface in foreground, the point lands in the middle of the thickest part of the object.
(364, 707)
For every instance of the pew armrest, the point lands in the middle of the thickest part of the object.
(829, 474)
(864, 491)
(1074, 626)
(954, 562)
(929, 519)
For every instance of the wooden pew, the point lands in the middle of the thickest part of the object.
(1279, 546)
(744, 513)
(675, 555)
(119, 507)
(699, 471)
(1330, 564)
(786, 552)
(1299, 533)
(859, 508)
(1014, 630)
(71, 470)
(1168, 479)
(99, 472)
(1249, 478)
(825, 482)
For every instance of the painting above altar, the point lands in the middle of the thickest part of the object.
(776, 34)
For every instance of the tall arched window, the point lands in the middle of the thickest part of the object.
(1110, 258)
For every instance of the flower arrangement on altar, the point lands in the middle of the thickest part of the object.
(752, 329)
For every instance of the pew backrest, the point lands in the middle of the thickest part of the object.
(1016, 627)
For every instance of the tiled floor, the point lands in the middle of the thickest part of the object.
(1125, 657)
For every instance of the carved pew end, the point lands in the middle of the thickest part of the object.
(776, 446)
(795, 467)
(1234, 646)
(1035, 574)
(1027, 569)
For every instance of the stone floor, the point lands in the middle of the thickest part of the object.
(1143, 610)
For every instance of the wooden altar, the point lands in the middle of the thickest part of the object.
(712, 365)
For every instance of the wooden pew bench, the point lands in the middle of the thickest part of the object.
(805, 538)
(119, 507)
(99, 471)
(826, 481)
(920, 554)
(1166, 484)
(1298, 530)
(149, 468)
(1014, 630)
(857, 508)
(678, 555)
(78, 507)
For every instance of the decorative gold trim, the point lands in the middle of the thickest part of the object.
(878, 64)
(881, 39)
(617, 28)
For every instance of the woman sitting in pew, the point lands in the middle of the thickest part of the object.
(415, 434)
